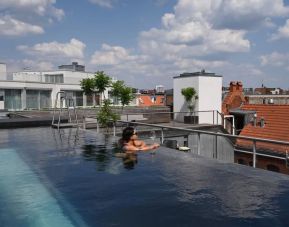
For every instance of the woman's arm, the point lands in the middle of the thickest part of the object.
(143, 147)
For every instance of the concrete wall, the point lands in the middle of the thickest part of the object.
(180, 104)
(260, 99)
(210, 98)
(209, 91)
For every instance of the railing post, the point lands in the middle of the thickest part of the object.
(254, 153)
(162, 136)
(216, 147)
(213, 117)
(199, 143)
(114, 133)
(217, 117)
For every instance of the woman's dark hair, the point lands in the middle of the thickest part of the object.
(127, 133)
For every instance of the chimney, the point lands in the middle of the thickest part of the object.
(233, 86)
(240, 86)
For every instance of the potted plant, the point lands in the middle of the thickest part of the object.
(190, 96)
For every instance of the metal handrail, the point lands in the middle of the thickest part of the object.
(199, 132)
(60, 109)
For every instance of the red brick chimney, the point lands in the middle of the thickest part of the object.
(234, 98)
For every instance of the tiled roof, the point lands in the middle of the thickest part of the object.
(276, 126)
(148, 100)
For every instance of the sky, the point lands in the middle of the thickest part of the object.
(148, 42)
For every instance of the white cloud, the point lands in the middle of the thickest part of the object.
(39, 7)
(104, 3)
(37, 65)
(275, 59)
(111, 55)
(196, 35)
(73, 49)
(233, 14)
(13, 27)
(282, 33)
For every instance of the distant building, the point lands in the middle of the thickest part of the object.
(150, 100)
(267, 122)
(268, 99)
(73, 67)
(38, 89)
(160, 89)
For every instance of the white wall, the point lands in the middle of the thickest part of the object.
(209, 91)
(69, 77)
(210, 98)
(180, 104)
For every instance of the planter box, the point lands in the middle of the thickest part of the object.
(191, 119)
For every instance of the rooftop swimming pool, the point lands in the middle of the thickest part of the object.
(56, 179)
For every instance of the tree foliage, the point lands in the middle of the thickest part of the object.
(106, 115)
(121, 91)
(101, 82)
(87, 86)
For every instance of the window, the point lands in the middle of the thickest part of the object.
(54, 78)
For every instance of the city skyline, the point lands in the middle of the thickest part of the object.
(146, 43)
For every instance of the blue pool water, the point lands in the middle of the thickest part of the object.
(52, 179)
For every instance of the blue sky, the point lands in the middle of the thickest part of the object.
(147, 42)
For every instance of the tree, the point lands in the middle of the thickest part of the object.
(190, 94)
(101, 82)
(121, 91)
(87, 86)
(126, 96)
(106, 115)
(98, 84)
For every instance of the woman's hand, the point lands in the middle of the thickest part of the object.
(155, 146)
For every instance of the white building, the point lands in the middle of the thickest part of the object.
(209, 90)
(37, 90)
(160, 89)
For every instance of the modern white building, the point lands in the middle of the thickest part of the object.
(209, 90)
(37, 90)
(160, 89)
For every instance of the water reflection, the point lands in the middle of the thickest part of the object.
(108, 159)
(224, 189)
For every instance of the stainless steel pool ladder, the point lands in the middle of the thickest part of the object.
(62, 97)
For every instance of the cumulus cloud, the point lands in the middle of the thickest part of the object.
(40, 7)
(73, 49)
(20, 17)
(13, 27)
(36, 65)
(275, 59)
(111, 55)
(282, 33)
(196, 35)
(104, 3)
(233, 14)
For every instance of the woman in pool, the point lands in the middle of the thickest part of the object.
(130, 142)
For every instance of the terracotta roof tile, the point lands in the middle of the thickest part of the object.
(276, 126)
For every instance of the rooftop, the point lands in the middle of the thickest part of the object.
(203, 73)
(276, 126)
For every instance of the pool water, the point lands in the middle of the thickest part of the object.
(68, 179)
